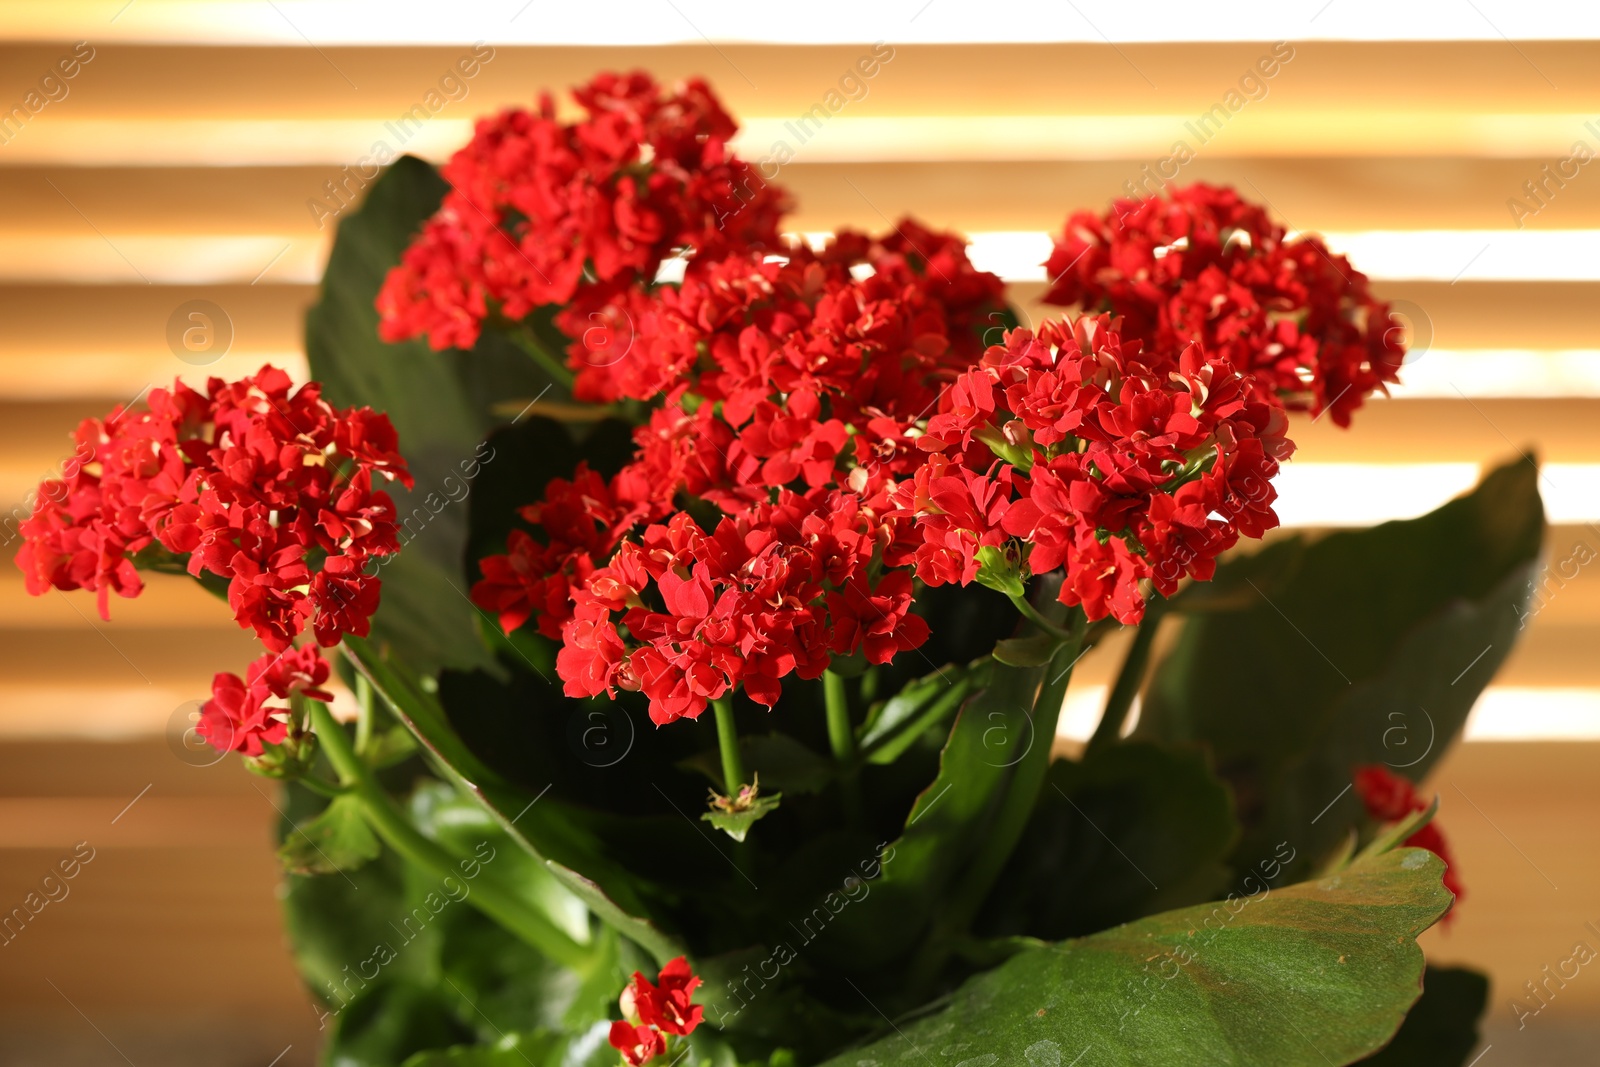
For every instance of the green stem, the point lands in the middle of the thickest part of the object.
(1033, 615)
(841, 735)
(728, 742)
(842, 739)
(364, 723)
(487, 895)
(1129, 679)
(321, 788)
(547, 362)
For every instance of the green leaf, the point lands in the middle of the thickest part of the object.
(466, 828)
(336, 841)
(607, 889)
(1305, 976)
(342, 927)
(1034, 651)
(917, 708)
(947, 826)
(1442, 1029)
(1366, 646)
(1133, 829)
(439, 402)
(736, 824)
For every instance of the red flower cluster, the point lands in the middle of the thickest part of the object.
(1116, 462)
(1203, 265)
(1390, 798)
(268, 489)
(238, 717)
(654, 1011)
(794, 390)
(841, 415)
(542, 212)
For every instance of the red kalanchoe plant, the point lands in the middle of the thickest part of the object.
(262, 485)
(810, 475)
(544, 212)
(1202, 264)
(1390, 798)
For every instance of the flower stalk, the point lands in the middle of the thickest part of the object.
(842, 739)
(728, 742)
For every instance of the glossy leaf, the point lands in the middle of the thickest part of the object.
(466, 829)
(1366, 646)
(1310, 975)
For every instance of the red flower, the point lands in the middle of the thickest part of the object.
(667, 1005)
(238, 717)
(1390, 798)
(636, 1043)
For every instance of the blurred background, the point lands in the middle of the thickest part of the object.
(171, 174)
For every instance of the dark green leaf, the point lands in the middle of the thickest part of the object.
(1442, 1029)
(344, 927)
(1367, 646)
(338, 840)
(1305, 976)
(1134, 829)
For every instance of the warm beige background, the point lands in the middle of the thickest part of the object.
(175, 172)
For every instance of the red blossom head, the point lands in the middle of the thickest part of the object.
(239, 717)
(654, 1011)
(544, 212)
(255, 482)
(666, 1005)
(1200, 264)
